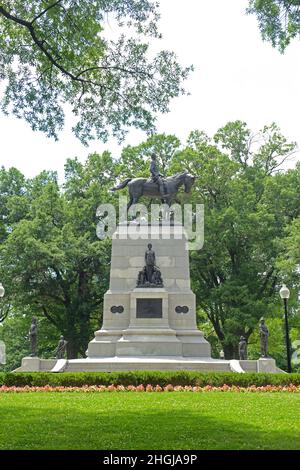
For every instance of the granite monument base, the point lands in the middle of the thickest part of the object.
(115, 363)
(149, 328)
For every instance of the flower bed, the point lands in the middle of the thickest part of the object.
(152, 388)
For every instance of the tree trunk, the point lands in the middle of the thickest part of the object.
(231, 351)
(72, 348)
(71, 336)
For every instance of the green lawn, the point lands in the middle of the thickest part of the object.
(178, 420)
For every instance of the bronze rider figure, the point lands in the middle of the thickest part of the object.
(157, 177)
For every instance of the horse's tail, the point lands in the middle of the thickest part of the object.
(121, 185)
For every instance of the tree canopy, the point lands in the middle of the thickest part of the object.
(248, 204)
(57, 53)
(278, 20)
(51, 259)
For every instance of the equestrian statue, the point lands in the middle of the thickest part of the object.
(166, 188)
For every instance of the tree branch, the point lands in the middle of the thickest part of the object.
(114, 67)
(4, 313)
(45, 11)
(51, 319)
(42, 45)
(14, 18)
(63, 285)
(271, 169)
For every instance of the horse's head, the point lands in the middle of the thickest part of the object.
(188, 182)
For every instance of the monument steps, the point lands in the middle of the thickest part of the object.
(118, 363)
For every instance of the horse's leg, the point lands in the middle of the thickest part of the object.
(130, 199)
(130, 203)
(165, 213)
(170, 213)
(134, 199)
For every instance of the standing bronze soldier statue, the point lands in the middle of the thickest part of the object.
(61, 348)
(264, 338)
(150, 276)
(33, 337)
(150, 261)
(243, 349)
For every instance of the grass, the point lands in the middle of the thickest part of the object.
(130, 420)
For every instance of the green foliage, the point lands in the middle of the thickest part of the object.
(54, 53)
(235, 275)
(162, 378)
(279, 20)
(52, 260)
(14, 332)
(135, 160)
(290, 260)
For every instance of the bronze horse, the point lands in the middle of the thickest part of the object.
(139, 187)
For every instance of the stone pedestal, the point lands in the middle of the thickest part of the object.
(266, 364)
(31, 364)
(36, 364)
(140, 322)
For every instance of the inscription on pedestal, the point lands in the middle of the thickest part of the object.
(148, 308)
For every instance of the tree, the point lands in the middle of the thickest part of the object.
(265, 150)
(290, 259)
(55, 53)
(52, 260)
(12, 184)
(235, 275)
(288, 264)
(279, 20)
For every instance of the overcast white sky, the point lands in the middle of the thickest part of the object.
(237, 76)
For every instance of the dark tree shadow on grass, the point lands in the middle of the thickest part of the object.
(50, 428)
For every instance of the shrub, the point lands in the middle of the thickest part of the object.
(145, 378)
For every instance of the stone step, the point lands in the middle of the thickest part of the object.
(129, 364)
